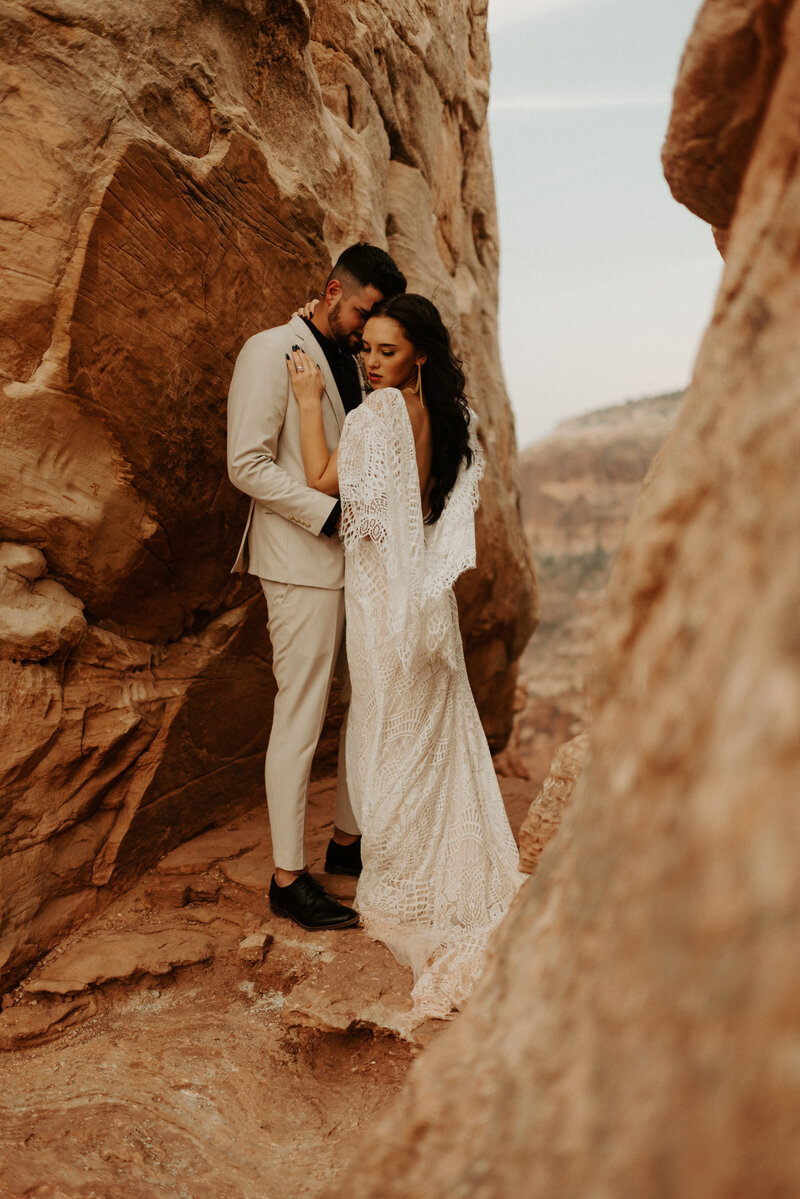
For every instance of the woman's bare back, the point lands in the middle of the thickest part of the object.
(423, 444)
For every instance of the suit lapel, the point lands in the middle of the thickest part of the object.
(312, 347)
(363, 381)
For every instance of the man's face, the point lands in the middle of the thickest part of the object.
(348, 312)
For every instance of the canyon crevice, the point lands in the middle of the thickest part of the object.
(179, 177)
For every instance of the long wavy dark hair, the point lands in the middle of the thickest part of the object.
(443, 385)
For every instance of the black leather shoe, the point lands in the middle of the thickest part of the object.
(306, 902)
(343, 859)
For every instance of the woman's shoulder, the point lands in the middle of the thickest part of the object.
(376, 410)
(383, 400)
(365, 421)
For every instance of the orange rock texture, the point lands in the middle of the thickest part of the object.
(636, 1032)
(546, 813)
(726, 78)
(178, 176)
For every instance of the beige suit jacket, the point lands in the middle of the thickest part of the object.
(281, 539)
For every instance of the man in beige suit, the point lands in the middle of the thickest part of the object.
(291, 543)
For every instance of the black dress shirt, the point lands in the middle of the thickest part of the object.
(343, 368)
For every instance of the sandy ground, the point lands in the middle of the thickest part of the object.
(188, 1043)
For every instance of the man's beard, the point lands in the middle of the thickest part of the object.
(349, 342)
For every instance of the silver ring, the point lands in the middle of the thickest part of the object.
(300, 367)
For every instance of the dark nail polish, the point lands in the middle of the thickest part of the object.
(295, 347)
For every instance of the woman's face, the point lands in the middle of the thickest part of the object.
(390, 358)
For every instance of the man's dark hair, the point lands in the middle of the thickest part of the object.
(370, 265)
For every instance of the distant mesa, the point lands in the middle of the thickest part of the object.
(577, 490)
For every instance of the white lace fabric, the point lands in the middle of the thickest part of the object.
(440, 862)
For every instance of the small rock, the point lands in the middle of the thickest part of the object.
(202, 915)
(167, 892)
(360, 985)
(110, 956)
(254, 947)
(24, 560)
(203, 890)
(203, 852)
(251, 870)
(37, 619)
(175, 891)
(40, 1022)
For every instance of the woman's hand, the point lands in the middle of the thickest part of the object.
(307, 310)
(308, 382)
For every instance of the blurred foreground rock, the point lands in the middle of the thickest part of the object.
(637, 1031)
(724, 86)
(177, 177)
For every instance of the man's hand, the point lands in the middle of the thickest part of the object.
(308, 382)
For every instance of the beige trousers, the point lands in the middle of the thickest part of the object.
(306, 628)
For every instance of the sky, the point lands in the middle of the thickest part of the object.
(606, 283)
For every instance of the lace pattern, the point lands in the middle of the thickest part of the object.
(440, 863)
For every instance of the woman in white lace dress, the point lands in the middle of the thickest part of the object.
(439, 859)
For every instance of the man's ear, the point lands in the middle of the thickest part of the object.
(333, 291)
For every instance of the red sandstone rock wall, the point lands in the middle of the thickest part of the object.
(636, 1032)
(176, 177)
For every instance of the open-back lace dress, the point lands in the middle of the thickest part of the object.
(440, 863)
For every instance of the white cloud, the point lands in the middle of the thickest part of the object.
(504, 13)
(575, 102)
